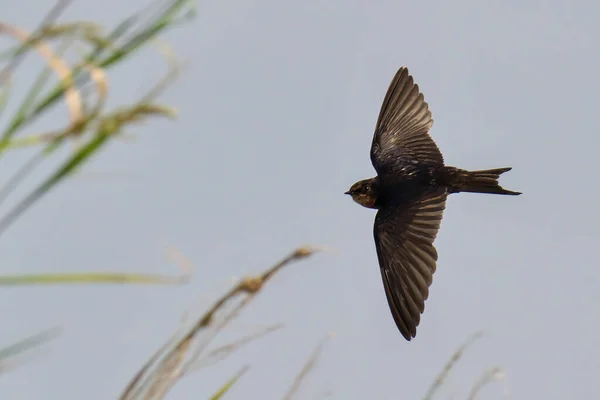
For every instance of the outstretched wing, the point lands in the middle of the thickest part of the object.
(404, 239)
(401, 134)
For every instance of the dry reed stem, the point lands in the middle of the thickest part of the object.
(167, 365)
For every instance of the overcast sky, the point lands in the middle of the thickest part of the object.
(277, 111)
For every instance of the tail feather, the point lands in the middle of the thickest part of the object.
(482, 181)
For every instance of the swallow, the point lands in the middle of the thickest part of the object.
(409, 193)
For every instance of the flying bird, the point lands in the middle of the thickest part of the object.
(410, 192)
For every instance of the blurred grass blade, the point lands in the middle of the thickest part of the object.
(19, 175)
(489, 376)
(164, 368)
(68, 166)
(221, 392)
(38, 85)
(62, 70)
(4, 96)
(27, 141)
(439, 380)
(224, 351)
(167, 18)
(28, 343)
(88, 278)
(52, 15)
(307, 368)
(153, 27)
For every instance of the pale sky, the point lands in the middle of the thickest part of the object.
(277, 110)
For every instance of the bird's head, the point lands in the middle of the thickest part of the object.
(364, 193)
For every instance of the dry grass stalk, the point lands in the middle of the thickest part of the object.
(167, 366)
(51, 16)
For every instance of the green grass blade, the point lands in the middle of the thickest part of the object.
(23, 142)
(4, 96)
(68, 166)
(225, 388)
(155, 26)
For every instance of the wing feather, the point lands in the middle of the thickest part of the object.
(404, 239)
(402, 130)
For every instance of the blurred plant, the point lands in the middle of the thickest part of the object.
(181, 354)
(84, 87)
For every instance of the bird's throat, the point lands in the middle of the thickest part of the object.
(365, 200)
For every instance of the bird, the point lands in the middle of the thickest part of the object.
(409, 193)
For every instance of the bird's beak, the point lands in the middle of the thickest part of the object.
(348, 192)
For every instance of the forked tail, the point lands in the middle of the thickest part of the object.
(483, 181)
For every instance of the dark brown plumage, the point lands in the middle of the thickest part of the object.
(410, 192)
